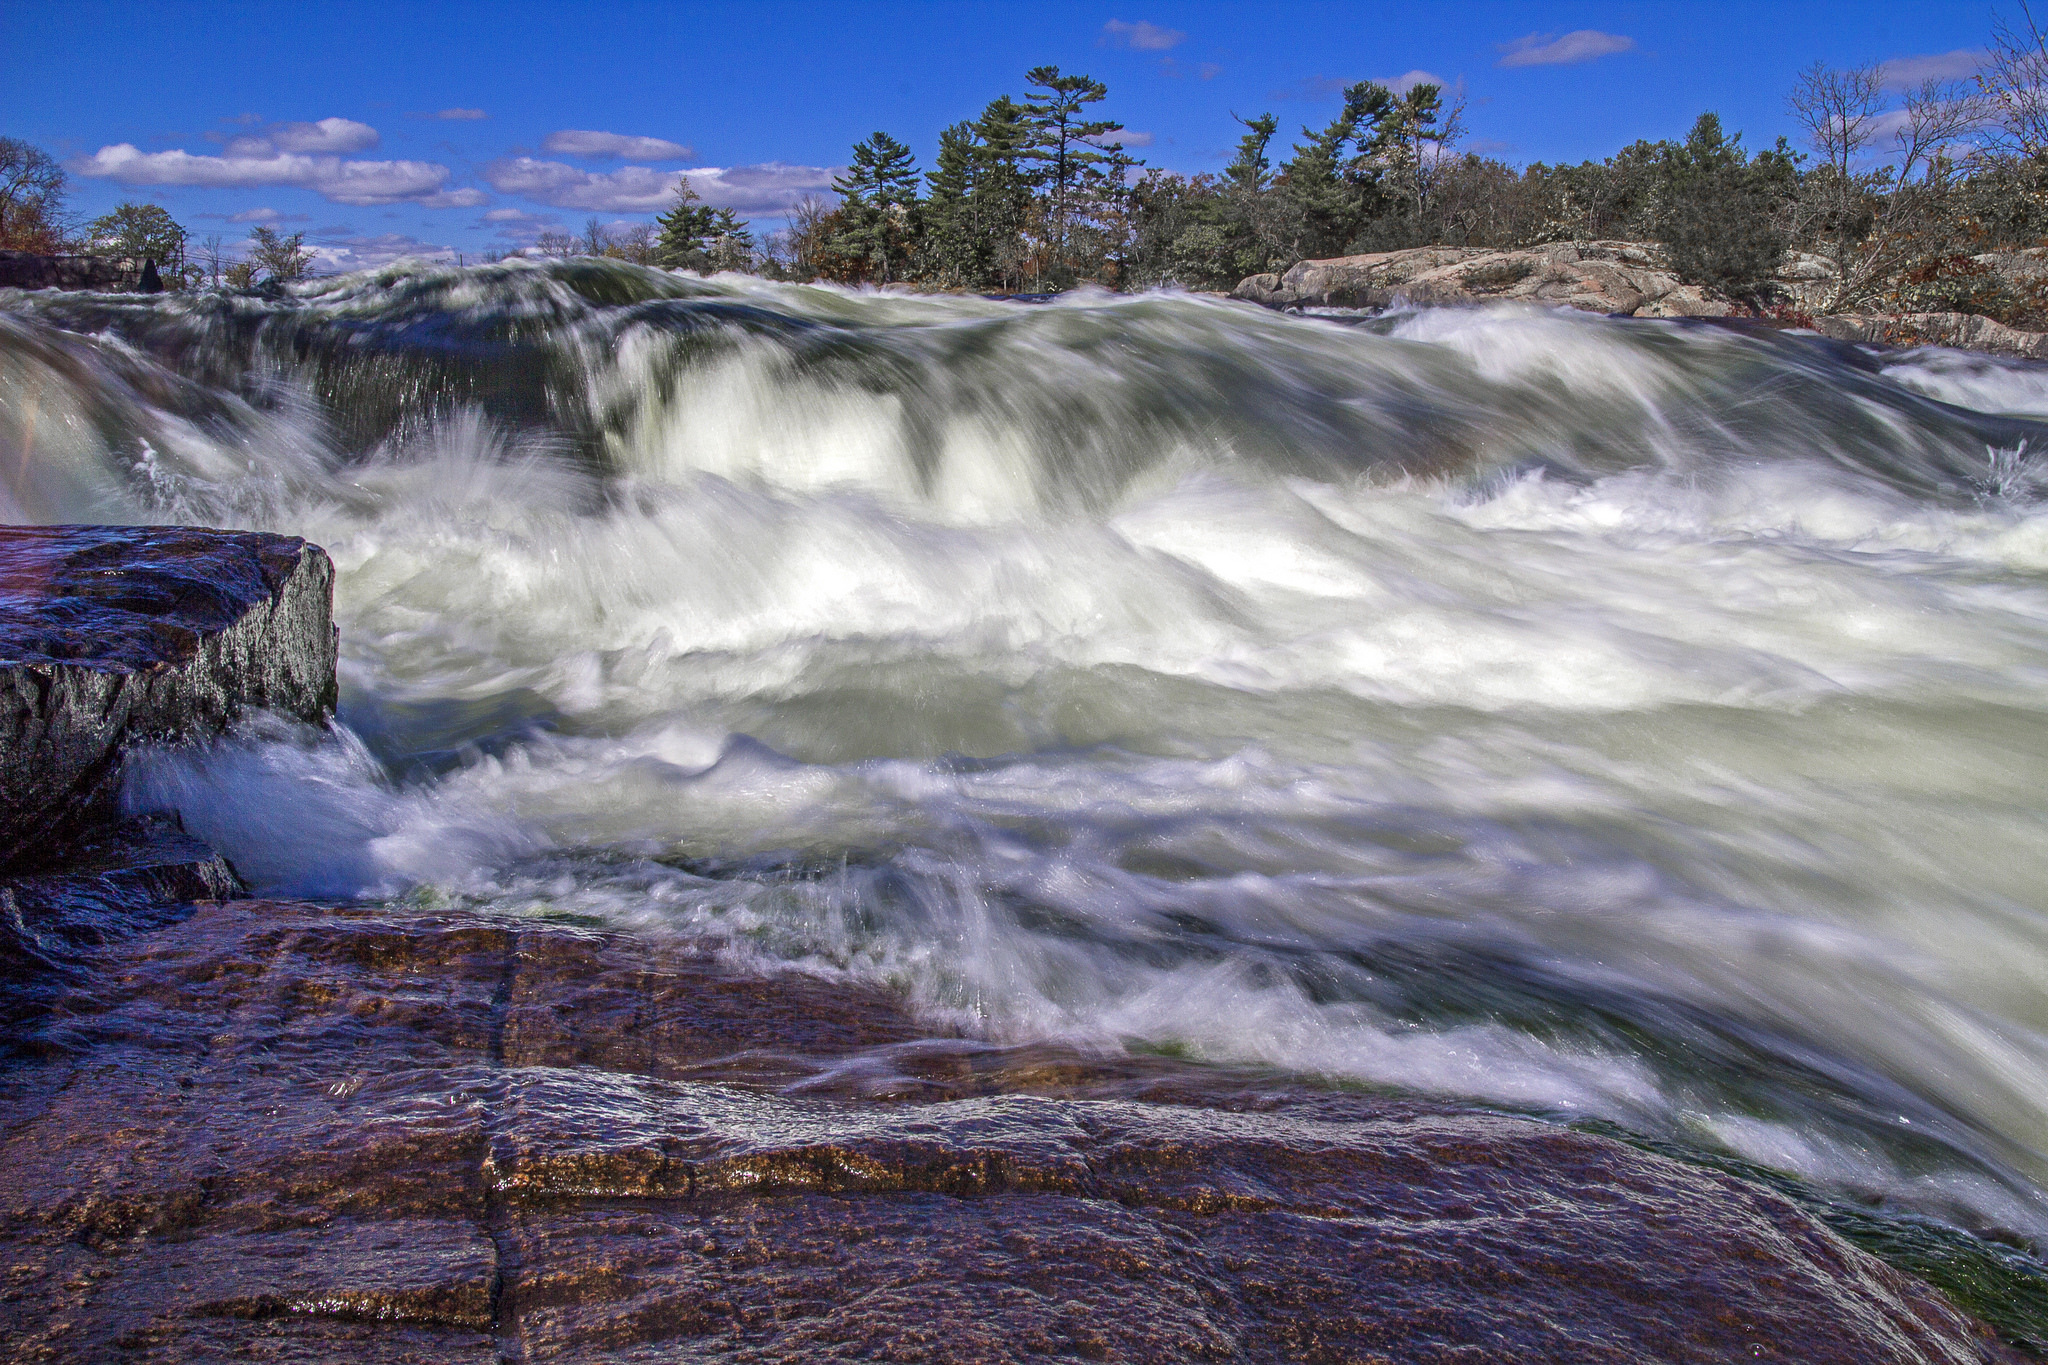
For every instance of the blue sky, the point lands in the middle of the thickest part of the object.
(383, 129)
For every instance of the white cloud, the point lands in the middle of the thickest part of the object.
(583, 142)
(766, 189)
(1408, 80)
(517, 216)
(1547, 49)
(455, 115)
(344, 182)
(329, 136)
(1907, 72)
(1123, 136)
(264, 216)
(467, 197)
(367, 253)
(1141, 35)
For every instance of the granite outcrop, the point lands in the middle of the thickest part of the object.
(112, 637)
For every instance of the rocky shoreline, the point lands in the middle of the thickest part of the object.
(299, 1131)
(1619, 279)
(246, 1127)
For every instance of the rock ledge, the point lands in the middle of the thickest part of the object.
(112, 636)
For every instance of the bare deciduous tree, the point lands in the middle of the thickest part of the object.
(213, 258)
(2015, 83)
(561, 244)
(1862, 203)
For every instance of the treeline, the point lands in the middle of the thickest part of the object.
(1895, 193)
(1895, 196)
(34, 217)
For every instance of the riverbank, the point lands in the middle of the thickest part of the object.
(1631, 279)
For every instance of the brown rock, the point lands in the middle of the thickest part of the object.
(301, 1133)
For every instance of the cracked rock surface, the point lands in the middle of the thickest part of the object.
(117, 635)
(282, 1132)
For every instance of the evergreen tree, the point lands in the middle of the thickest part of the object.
(1065, 145)
(731, 242)
(879, 191)
(1332, 183)
(954, 251)
(687, 231)
(1250, 170)
(1715, 212)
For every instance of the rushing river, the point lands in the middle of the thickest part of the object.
(1599, 719)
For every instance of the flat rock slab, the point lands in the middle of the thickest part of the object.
(112, 636)
(283, 1132)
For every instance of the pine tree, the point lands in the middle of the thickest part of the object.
(1064, 144)
(879, 191)
(1714, 212)
(688, 230)
(1249, 170)
(1002, 190)
(953, 251)
(1330, 194)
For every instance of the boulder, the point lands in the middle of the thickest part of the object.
(277, 1131)
(30, 270)
(116, 636)
(1626, 278)
(1964, 331)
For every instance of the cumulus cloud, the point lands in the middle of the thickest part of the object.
(330, 136)
(1141, 35)
(583, 142)
(260, 216)
(466, 197)
(344, 182)
(1408, 80)
(764, 189)
(1907, 72)
(517, 225)
(369, 252)
(1548, 49)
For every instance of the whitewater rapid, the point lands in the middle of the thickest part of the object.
(1600, 719)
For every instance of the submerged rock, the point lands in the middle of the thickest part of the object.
(294, 1132)
(112, 636)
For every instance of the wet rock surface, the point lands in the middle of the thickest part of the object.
(114, 636)
(285, 1132)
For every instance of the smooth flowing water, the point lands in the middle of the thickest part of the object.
(1592, 718)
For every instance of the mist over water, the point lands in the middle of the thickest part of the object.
(1596, 718)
